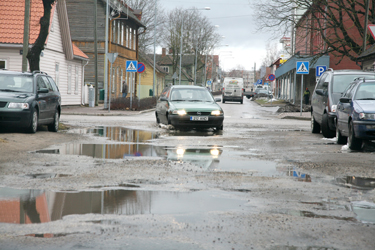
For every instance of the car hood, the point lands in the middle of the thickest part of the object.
(14, 96)
(367, 106)
(201, 106)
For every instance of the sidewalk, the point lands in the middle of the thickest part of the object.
(100, 111)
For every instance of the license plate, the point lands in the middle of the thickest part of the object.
(370, 126)
(198, 118)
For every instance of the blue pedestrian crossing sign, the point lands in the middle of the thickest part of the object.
(131, 66)
(320, 70)
(302, 68)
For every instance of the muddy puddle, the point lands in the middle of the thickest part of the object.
(23, 206)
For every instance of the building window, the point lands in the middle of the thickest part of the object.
(135, 39)
(166, 69)
(114, 32)
(118, 32)
(57, 74)
(69, 79)
(3, 64)
(113, 80)
(126, 36)
(76, 81)
(122, 34)
(130, 38)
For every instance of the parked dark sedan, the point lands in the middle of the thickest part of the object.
(356, 114)
(28, 100)
(187, 107)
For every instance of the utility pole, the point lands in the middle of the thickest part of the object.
(96, 51)
(26, 28)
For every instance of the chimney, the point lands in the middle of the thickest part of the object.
(163, 52)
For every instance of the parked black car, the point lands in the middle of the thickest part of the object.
(356, 114)
(326, 95)
(28, 100)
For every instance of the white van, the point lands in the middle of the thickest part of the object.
(233, 89)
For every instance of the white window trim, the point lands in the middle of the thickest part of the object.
(5, 63)
(69, 87)
(57, 73)
(76, 81)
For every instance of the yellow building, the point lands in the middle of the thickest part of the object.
(146, 78)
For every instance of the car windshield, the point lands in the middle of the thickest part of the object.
(340, 82)
(16, 83)
(366, 91)
(191, 94)
(263, 91)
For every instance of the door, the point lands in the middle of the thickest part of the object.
(42, 98)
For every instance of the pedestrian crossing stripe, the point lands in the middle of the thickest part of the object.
(130, 66)
(302, 67)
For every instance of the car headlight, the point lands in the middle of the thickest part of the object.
(179, 112)
(216, 112)
(333, 108)
(365, 116)
(180, 151)
(18, 105)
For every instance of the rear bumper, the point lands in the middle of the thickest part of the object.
(332, 120)
(232, 98)
(184, 122)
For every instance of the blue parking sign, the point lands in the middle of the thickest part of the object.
(319, 70)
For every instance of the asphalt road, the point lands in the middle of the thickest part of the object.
(122, 182)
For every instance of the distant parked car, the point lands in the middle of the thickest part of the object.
(28, 100)
(326, 95)
(261, 92)
(356, 114)
(188, 107)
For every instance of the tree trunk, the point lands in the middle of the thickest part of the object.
(33, 56)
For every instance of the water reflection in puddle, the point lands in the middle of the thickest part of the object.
(39, 206)
(211, 158)
(119, 134)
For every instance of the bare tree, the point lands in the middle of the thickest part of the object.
(339, 23)
(33, 55)
(198, 35)
(272, 54)
(146, 40)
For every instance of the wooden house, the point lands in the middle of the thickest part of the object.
(61, 58)
(124, 28)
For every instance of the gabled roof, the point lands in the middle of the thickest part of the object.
(12, 20)
(150, 61)
(123, 8)
(12, 15)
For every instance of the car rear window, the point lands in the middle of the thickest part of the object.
(341, 82)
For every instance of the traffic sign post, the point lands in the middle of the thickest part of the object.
(112, 58)
(302, 68)
(140, 69)
(132, 67)
(271, 77)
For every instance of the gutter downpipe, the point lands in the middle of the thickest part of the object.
(83, 83)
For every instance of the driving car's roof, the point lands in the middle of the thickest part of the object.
(7, 72)
(187, 86)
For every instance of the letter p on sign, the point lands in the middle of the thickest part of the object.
(320, 70)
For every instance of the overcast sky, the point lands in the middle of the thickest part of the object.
(236, 23)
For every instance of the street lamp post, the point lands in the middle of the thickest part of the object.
(182, 30)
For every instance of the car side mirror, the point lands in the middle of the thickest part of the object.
(345, 100)
(217, 99)
(163, 99)
(43, 90)
(319, 92)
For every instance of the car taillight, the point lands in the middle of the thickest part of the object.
(223, 89)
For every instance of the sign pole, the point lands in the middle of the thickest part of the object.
(301, 93)
(139, 91)
(131, 90)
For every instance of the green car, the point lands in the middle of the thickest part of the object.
(189, 107)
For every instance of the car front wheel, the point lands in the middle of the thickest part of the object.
(353, 142)
(54, 127)
(34, 122)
